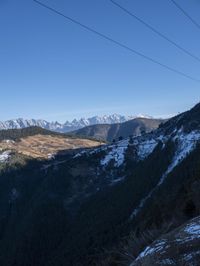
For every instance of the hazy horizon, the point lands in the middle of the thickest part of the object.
(55, 70)
(78, 117)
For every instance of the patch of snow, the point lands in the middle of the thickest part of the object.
(4, 156)
(141, 204)
(116, 180)
(193, 229)
(50, 156)
(168, 262)
(157, 247)
(9, 141)
(187, 257)
(190, 256)
(79, 154)
(184, 240)
(146, 148)
(117, 154)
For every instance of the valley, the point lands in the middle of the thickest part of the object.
(127, 197)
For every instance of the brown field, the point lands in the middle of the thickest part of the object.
(43, 146)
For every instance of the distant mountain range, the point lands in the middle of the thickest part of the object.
(67, 126)
(109, 132)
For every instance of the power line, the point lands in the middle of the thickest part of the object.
(155, 31)
(116, 42)
(186, 14)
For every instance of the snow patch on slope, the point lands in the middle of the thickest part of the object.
(117, 154)
(158, 246)
(4, 156)
(144, 149)
(185, 239)
(186, 143)
(193, 229)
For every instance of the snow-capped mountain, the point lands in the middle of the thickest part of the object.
(67, 126)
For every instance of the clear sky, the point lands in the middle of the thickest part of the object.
(53, 69)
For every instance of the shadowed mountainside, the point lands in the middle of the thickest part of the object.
(78, 209)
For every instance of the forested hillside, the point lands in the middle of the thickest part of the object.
(81, 209)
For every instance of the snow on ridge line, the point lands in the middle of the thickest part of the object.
(146, 146)
(68, 125)
(144, 149)
(186, 144)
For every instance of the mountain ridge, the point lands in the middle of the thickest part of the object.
(110, 132)
(68, 126)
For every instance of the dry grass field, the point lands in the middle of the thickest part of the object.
(45, 146)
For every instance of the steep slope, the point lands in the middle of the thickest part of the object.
(179, 247)
(113, 131)
(67, 211)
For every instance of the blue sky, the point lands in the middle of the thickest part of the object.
(53, 69)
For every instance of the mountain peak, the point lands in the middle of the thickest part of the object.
(67, 126)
